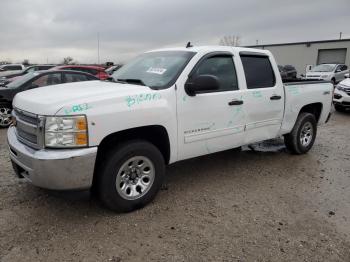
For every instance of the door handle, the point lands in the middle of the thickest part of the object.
(275, 97)
(235, 103)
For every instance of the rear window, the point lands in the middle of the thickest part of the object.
(258, 71)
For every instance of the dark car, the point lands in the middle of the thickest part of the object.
(4, 80)
(282, 72)
(34, 80)
(291, 71)
(287, 72)
(97, 71)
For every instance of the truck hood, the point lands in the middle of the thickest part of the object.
(51, 99)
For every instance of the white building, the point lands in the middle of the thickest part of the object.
(301, 54)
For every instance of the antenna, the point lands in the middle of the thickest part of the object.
(189, 45)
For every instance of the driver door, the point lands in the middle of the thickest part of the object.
(211, 121)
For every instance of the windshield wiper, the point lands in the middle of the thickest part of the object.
(132, 81)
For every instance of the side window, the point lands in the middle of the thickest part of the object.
(223, 68)
(258, 71)
(92, 71)
(344, 68)
(48, 79)
(339, 67)
(13, 67)
(71, 77)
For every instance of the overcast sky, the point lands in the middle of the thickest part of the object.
(41, 30)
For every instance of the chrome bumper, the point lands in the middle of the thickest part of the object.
(65, 169)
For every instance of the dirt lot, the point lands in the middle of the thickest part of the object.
(262, 205)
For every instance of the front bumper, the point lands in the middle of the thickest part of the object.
(341, 98)
(60, 169)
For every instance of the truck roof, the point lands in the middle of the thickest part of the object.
(213, 49)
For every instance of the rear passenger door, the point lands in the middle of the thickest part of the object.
(340, 72)
(263, 98)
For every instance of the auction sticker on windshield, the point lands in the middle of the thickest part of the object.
(155, 70)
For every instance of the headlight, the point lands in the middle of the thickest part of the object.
(66, 131)
(340, 87)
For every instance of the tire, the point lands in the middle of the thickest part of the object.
(339, 108)
(124, 188)
(333, 81)
(5, 115)
(302, 137)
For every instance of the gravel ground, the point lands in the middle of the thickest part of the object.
(254, 205)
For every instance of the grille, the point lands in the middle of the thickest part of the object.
(314, 76)
(27, 128)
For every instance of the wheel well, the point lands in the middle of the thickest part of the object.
(315, 109)
(157, 135)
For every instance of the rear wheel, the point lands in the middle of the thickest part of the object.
(131, 176)
(5, 115)
(302, 137)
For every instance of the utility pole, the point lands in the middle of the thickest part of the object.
(340, 35)
(98, 48)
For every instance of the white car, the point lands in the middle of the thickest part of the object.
(341, 97)
(10, 69)
(328, 72)
(165, 106)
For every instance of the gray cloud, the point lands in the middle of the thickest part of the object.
(47, 29)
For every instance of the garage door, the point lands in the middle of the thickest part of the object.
(331, 56)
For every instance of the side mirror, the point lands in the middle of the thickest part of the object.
(347, 75)
(111, 79)
(201, 83)
(338, 70)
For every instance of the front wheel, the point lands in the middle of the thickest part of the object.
(5, 115)
(302, 137)
(131, 176)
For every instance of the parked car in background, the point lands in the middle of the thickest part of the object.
(287, 72)
(112, 69)
(290, 71)
(34, 80)
(10, 69)
(328, 72)
(341, 97)
(9, 78)
(282, 72)
(97, 71)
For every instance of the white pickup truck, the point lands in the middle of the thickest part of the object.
(164, 106)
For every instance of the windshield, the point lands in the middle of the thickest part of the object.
(21, 80)
(154, 69)
(323, 68)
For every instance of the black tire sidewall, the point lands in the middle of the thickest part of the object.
(115, 159)
(339, 108)
(6, 105)
(306, 118)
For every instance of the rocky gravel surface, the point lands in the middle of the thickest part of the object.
(260, 204)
